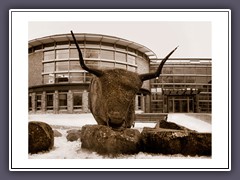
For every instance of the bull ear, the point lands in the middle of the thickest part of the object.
(148, 76)
(96, 72)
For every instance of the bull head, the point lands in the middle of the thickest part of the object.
(112, 92)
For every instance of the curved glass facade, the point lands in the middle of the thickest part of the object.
(55, 71)
(61, 62)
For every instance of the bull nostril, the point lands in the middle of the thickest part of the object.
(115, 114)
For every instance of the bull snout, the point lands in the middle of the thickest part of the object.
(116, 118)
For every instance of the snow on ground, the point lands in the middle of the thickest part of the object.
(64, 149)
(190, 122)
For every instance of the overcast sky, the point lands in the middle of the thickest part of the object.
(193, 38)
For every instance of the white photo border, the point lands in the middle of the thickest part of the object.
(221, 96)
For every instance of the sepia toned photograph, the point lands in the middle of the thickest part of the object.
(137, 88)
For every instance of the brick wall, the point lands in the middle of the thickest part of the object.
(35, 69)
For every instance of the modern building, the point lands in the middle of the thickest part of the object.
(57, 83)
(185, 86)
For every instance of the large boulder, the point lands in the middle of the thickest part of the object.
(171, 141)
(104, 140)
(40, 137)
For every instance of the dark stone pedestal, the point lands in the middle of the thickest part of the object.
(105, 140)
(40, 137)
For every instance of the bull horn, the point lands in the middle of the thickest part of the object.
(148, 76)
(96, 72)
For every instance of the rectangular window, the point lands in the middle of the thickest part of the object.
(63, 44)
(74, 65)
(179, 79)
(167, 79)
(178, 70)
(74, 53)
(62, 54)
(62, 66)
(93, 44)
(107, 65)
(48, 67)
(120, 47)
(91, 53)
(49, 101)
(107, 55)
(131, 68)
(49, 55)
(30, 103)
(49, 46)
(190, 79)
(38, 102)
(131, 59)
(62, 78)
(77, 77)
(121, 66)
(167, 70)
(201, 70)
(120, 57)
(48, 79)
(62, 101)
(92, 63)
(77, 100)
(201, 80)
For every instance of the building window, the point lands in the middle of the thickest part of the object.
(38, 102)
(120, 57)
(91, 53)
(167, 70)
(48, 79)
(49, 101)
(62, 54)
(77, 77)
(62, 78)
(49, 46)
(30, 103)
(64, 44)
(62, 101)
(77, 100)
(92, 63)
(179, 79)
(107, 55)
(131, 59)
(107, 65)
(132, 68)
(190, 79)
(201, 80)
(49, 55)
(48, 67)
(74, 65)
(74, 53)
(121, 66)
(62, 66)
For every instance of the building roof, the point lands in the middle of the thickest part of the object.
(92, 37)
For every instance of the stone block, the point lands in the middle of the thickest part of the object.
(73, 135)
(170, 141)
(104, 140)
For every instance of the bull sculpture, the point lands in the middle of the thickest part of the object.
(112, 92)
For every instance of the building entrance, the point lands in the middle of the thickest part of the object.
(180, 104)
